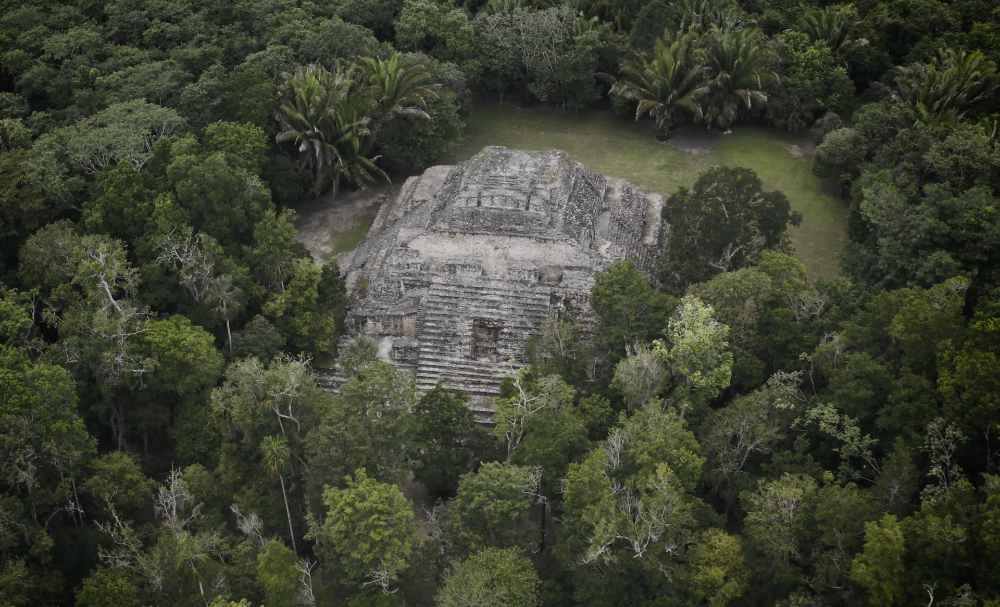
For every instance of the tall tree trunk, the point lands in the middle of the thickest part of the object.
(229, 336)
(118, 425)
(288, 513)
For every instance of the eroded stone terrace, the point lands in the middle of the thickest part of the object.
(464, 265)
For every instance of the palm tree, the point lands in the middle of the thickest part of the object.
(227, 299)
(397, 88)
(665, 85)
(737, 76)
(831, 26)
(275, 452)
(945, 89)
(702, 15)
(322, 113)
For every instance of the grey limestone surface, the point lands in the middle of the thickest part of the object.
(462, 267)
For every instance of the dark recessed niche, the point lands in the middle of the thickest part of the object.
(485, 339)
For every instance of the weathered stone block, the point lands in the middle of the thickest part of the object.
(463, 267)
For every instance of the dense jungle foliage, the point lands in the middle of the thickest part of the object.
(730, 433)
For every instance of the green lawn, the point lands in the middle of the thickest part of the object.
(621, 148)
(345, 240)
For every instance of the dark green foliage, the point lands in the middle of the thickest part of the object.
(411, 145)
(650, 23)
(446, 440)
(368, 526)
(258, 338)
(376, 16)
(628, 308)
(495, 507)
(277, 574)
(840, 155)
(722, 223)
(813, 82)
(491, 578)
(819, 443)
(108, 588)
(549, 55)
(23, 207)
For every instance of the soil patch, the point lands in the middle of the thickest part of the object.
(332, 228)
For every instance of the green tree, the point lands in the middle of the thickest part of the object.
(309, 310)
(183, 361)
(655, 435)
(411, 144)
(492, 577)
(493, 506)
(220, 195)
(750, 426)
(832, 26)
(259, 339)
(108, 588)
(640, 377)
(364, 426)
(369, 531)
(813, 82)
(275, 454)
(721, 224)
(667, 85)
(278, 575)
(23, 207)
(275, 251)
(777, 519)
(398, 87)
(718, 574)
(631, 496)
(561, 347)
(443, 32)
(559, 51)
(377, 16)
(840, 155)
(444, 434)
(968, 373)
(923, 238)
(44, 446)
(123, 132)
(879, 568)
(840, 515)
(179, 554)
(181, 364)
(323, 115)
(539, 427)
(529, 398)
(159, 82)
(117, 483)
(16, 322)
(629, 310)
(13, 134)
(256, 401)
(948, 87)
(773, 312)
(244, 144)
(696, 351)
(737, 76)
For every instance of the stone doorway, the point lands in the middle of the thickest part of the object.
(486, 340)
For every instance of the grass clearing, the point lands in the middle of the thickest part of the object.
(621, 148)
(344, 240)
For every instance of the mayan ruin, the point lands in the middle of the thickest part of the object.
(464, 265)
